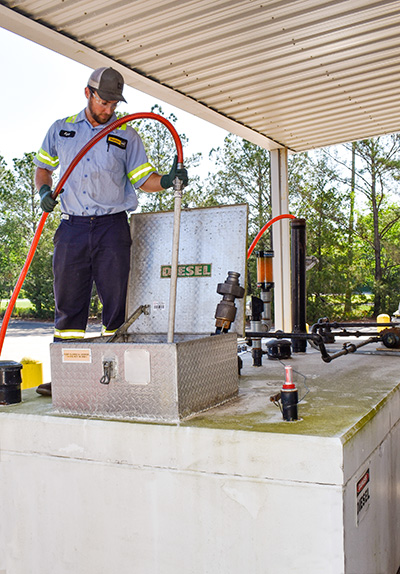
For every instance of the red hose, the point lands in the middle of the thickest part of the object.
(60, 185)
(264, 229)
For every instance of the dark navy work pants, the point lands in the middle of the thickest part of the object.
(86, 250)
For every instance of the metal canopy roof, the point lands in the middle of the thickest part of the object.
(301, 74)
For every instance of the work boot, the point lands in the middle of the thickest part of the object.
(44, 389)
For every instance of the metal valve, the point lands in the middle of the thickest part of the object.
(226, 310)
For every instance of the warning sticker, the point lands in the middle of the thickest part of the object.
(363, 495)
(76, 355)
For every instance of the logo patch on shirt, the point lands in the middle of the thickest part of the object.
(116, 140)
(67, 134)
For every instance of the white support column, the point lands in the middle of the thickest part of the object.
(281, 240)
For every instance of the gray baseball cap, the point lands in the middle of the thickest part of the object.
(108, 83)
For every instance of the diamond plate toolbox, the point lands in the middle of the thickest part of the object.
(143, 377)
(158, 382)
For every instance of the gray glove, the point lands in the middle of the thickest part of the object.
(181, 173)
(47, 203)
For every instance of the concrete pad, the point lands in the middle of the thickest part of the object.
(234, 489)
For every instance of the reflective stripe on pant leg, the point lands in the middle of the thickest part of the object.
(67, 335)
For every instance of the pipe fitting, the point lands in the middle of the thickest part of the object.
(226, 310)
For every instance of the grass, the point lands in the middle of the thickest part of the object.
(23, 308)
(20, 304)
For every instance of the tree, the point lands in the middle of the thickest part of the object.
(376, 180)
(21, 212)
(317, 198)
(244, 177)
(9, 239)
(38, 286)
(350, 233)
(161, 151)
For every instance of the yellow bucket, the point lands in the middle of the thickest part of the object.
(382, 319)
(31, 373)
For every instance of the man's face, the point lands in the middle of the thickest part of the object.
(100, 110)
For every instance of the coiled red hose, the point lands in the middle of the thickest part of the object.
(60, 185)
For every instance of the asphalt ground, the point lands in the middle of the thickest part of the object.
(31, 339)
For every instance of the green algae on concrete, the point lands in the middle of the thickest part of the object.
(343, 395)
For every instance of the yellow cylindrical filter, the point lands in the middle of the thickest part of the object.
(383, 318)
(31, 373)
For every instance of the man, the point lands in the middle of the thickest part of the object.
(92, 242)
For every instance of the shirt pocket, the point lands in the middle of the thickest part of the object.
(113, 157)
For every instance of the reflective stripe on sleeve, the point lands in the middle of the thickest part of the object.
(141, 171)
(71, 119)
(44, 157)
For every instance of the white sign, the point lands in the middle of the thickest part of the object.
(76, 356)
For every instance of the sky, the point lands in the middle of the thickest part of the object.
(40, 86)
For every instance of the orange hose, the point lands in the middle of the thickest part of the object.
(264, 229)
(61, 183)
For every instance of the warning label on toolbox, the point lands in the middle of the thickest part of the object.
(363, 495)
(76, 356)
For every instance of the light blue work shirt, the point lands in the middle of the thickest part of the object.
(105, 179)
